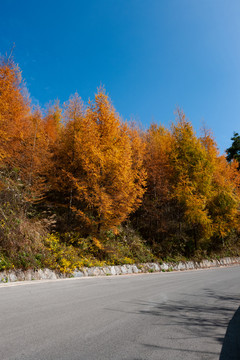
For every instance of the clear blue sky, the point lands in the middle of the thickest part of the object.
(151, 55)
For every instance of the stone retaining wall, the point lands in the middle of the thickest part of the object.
(20, 275)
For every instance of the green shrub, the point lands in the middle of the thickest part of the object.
(5, 263)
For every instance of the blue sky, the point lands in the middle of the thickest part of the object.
(151, 55)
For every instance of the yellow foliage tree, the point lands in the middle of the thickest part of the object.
(224, 202)
(192, 179)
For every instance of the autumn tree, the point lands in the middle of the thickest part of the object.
(98, 164)
(14, 109)
(223, 204)
(174, 214)
(53, 122)
(19, 125)
(63, 168)
(22, 149)
(153, 218)
(192, 182)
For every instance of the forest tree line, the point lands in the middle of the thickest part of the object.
(77, 179)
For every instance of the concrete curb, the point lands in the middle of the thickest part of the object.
(47, 274)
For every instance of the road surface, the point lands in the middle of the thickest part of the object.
(168, 316)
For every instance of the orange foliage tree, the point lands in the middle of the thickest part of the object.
(14, 109)
(23, 146)
(153, 217)
(96, 170)
(53, 123)
(98, 164)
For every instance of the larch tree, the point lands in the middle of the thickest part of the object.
(53, 123)
(118, 185)
(22, 141)
(153, 217)
(191, 182)
(14, 110)
(102, 177)
(223, 205)
(63, 168)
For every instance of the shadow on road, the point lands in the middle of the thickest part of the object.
(184, 322)
(231, 343)
(199, 318)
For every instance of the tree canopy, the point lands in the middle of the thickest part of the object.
(233, 152)
(86, 167)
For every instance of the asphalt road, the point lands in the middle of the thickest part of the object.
(168, 316)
